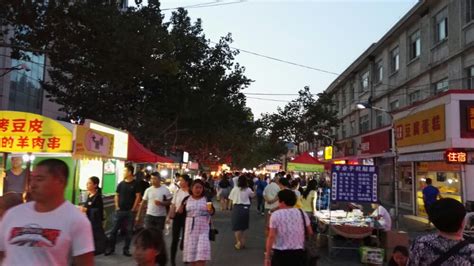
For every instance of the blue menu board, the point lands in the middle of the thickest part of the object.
(354, 183)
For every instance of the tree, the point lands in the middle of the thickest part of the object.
(163, 81)
(300, 118)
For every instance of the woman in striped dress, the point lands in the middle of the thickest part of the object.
(197, 246)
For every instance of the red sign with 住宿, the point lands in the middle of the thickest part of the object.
(455, 156)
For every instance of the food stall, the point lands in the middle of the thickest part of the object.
(35, 138)
(108, 168)
(344, 228)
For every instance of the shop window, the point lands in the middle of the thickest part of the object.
(446, 177)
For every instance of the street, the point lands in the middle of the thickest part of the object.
(223, 252)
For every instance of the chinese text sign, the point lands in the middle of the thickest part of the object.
(354, 183)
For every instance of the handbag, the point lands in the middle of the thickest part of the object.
(310, 242)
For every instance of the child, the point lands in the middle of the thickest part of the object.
(149, 248)
(399, 256)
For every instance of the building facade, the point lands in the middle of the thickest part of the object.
(425, 56)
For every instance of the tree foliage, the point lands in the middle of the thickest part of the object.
(161, 80)
(297, 121)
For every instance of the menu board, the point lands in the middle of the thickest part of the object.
(354, 183)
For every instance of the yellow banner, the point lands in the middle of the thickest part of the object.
(93, 143)
(423, 127)
(27, 132)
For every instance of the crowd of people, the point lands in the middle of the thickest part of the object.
(51, 231)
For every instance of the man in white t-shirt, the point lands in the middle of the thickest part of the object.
(48, 230)
(157, 198)
(383, 216)
(270, 194)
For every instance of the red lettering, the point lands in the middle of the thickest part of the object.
(38, 142)
(19, 125)
(23, 142)
(407, 130)
(416, 128)
(36, 126)
(436, 123)
(425, 126)
(54, 143)
(399, 132)
(4, 124)
(7, 142)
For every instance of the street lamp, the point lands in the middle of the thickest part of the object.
(368, 105)
(324, 135)
(18, 67)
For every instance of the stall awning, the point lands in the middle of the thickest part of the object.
(139, 154)
(306, 163)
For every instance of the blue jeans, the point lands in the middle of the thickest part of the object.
(120, 218)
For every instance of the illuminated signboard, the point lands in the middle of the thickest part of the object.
(455, 156)
(26, 132)
(328, 153)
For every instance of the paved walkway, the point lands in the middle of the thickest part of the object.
(223, 252)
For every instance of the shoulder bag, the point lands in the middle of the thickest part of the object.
(310, 244)
(448, 254)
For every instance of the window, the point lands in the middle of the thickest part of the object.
(365, 81)
(469, 10)
(379, 71)
(343, 96)
(364, 123)
(441, 26)
(351, 93)
(414, 96)
(415, 45)
(394, 105)
(441, 86)
(470, 77)
(379, 119)
(353, 128)
(343, 131)
(395, 59)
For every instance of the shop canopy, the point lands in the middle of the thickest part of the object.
(306, 163)
(139, 154)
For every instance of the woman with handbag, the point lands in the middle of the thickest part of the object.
(197, 245)
(94, 209)
(289, 228)
(178, 216)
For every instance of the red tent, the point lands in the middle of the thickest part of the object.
(306, 158)
(139, 154)
(307, 163)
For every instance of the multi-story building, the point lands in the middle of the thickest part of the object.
(20, 84)
(421, 72)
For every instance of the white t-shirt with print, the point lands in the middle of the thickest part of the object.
(44, 238)
(241, 196)
(156, 193)
(178, 198)
(289, 228)
(270, 192)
